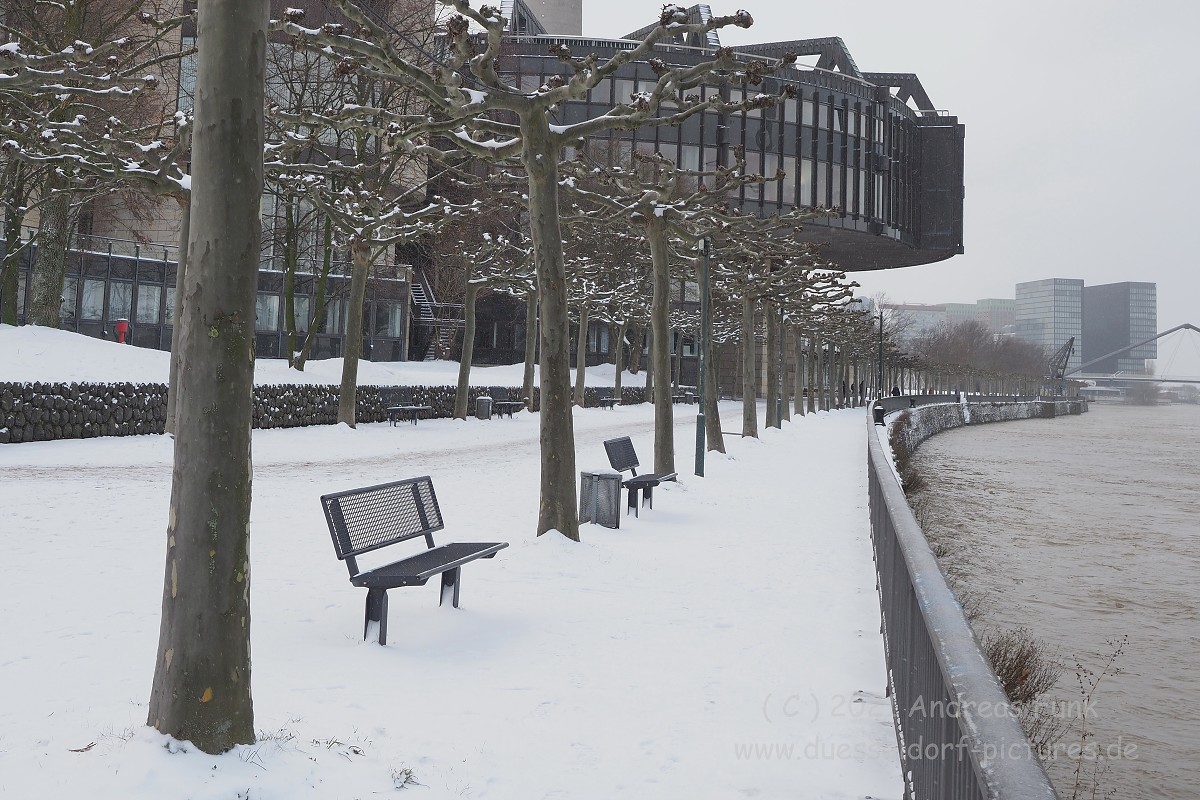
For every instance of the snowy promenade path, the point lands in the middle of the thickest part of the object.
(724, 645)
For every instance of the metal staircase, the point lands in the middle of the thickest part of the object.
(440, 321)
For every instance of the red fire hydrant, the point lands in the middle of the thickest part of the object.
(122, 330)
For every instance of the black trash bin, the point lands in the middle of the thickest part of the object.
(877, 410)
(483, 407)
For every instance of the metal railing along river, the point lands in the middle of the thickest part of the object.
(959, 737)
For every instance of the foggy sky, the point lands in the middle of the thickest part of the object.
(1081, 135)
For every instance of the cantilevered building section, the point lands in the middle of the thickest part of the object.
(871, 145)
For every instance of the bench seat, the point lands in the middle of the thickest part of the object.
(416, 570)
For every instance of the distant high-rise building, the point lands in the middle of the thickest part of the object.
(998, 314)
(913, 320)
(1116, 315)
(1049, 312)
(958, 313)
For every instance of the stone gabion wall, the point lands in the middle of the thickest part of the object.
(926, 421)
(35, 412)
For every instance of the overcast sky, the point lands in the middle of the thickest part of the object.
(1082, 131)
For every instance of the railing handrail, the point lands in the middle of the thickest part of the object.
(984, 729)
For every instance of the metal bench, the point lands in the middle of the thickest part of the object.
(362, 520)
(605, 398)
(503, 402)
(621, 457)
(407, 410)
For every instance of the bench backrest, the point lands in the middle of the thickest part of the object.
(620, 454)
(361, 520)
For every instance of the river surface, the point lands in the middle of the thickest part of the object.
(1086, 530)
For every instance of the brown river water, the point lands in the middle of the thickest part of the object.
(1086, 530)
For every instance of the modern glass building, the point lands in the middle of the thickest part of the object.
(1116, 315)
(871, 146)
(1049, 312)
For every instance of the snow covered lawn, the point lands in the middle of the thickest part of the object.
(725, 644)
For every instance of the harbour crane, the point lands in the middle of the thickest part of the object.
(1057, 366)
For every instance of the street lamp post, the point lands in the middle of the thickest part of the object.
(780, 381)
(882, 392)
(704, 344)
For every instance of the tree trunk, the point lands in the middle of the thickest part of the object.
(784, 361)
(50, 266)
(581, 357)
(712, 413)
(320, 298)
(556, 508)
(749, 396)
(811, 375)
(201, 686)
(635, 349)
(649, 369)
(180, 276)
(619, 366)
(676, 352)
(468, 350)
(772, 358)
(822, 365)
(660, 346)
(361, 256)
(291, 255)
(16, 198)
(531, 340)
(801, 373)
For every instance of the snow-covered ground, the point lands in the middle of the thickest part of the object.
(726, 644)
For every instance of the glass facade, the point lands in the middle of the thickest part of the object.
(136, 285)
(1049, 312)
(845, 145)
(1116, 315)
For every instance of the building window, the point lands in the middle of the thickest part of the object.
(335, 313)
(266, 311)
(597, 337)
(93, 299)
(120, 300)
(301, 304)
(147, 304)
(387, 318)
(69, 296)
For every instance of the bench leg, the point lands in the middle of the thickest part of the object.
(648, 496)
(450, 583)
(377, 607)
(633, 501)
